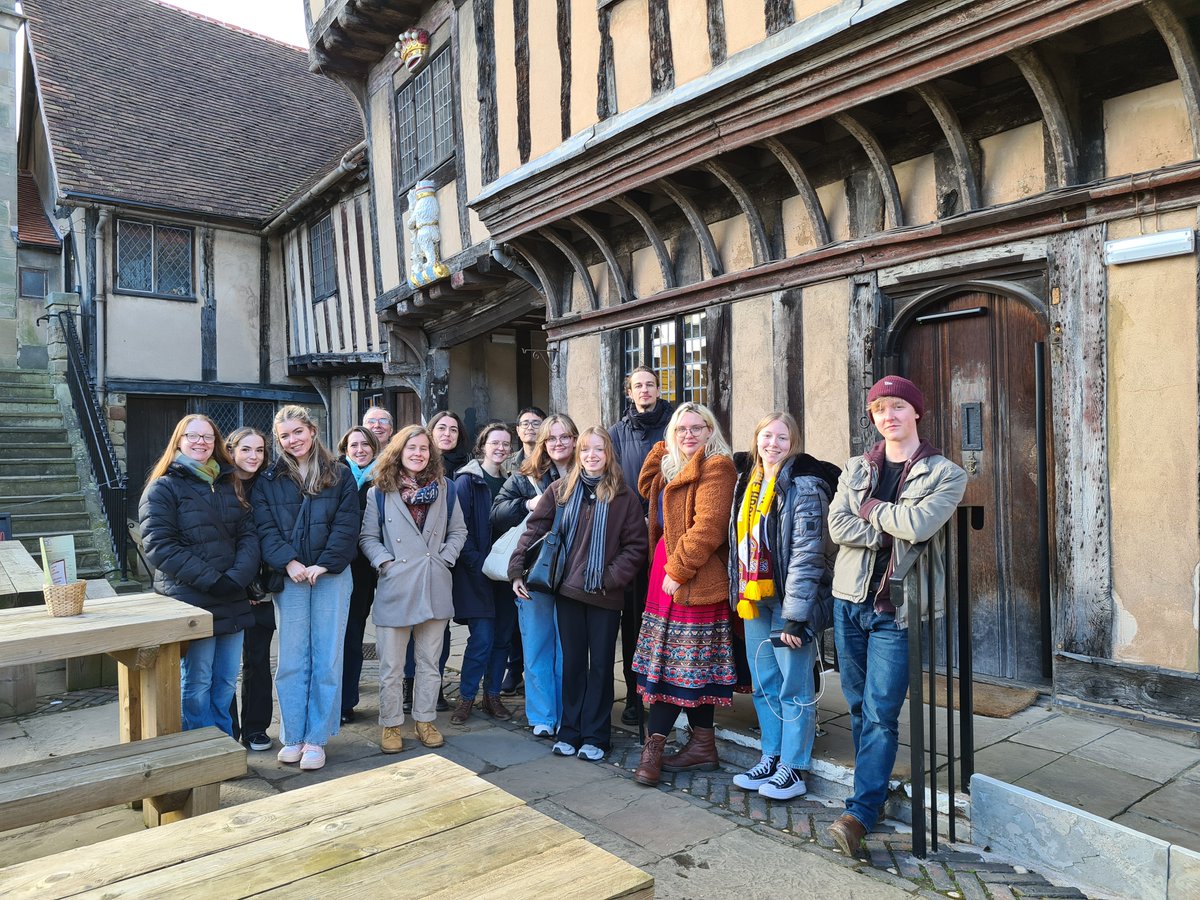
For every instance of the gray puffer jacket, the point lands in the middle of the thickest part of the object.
(802, 552)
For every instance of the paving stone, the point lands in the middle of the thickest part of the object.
(243, 790)
(662, 823)
(1000, 892)
(1047, 890)
(500, 747)
(545, 777)
(1087, 785)
(1139, 754)
(779, 817)
(1010, 762)
(969, 886)
(1175, 803)
(602, 837)
(758, 808)
(941, 879)
(1169, 832)
(1062, 733)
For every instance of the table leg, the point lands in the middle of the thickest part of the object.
(160, 714)
(129, 693)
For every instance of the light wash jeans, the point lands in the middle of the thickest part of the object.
(308, 678)
(873, 655)
(208, 681)
(783, 683)
(543, 659)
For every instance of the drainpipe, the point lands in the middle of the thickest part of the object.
(101, 303)
(516, 268)
(351, 159)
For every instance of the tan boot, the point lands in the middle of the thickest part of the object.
(392, 740)
(428, 734)
(650, 765)
(699, 754)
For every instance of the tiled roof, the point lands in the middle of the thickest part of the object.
(33, 225)
(156, 106)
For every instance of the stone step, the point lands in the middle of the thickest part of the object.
(57, 450)
(35, 503)
(24, 376)
(48, 418)
(12, 406)
(38, 485)
(39, 521)
(30, 466)
(35, 393)
(10, 435)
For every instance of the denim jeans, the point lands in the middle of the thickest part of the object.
(543, 659)
(308, 678)
(486, 654)
(208, 681)
(873, 655)
(783, 683)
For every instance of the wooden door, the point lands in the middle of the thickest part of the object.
(976, 368)
(148, 427)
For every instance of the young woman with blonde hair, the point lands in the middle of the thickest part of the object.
(684, 657)
(200, 539)
(604, 536)
(308, 518)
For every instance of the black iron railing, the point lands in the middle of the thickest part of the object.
(916, 567)
(98, 441)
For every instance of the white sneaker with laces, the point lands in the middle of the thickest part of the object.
(540, 730)
(313, 757)
(591, 753)
(786, 785)
(290, 753)
(562, 748)
(762, 772)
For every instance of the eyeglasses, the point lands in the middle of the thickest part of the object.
(694, 430)
(533, 423)
(194, 438)
(561, 439)
(377, 421)
(504, 444)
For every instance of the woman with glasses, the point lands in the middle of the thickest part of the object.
(200, 539)
(486, 606)
(684, 656)
(552, 458)
(308, 518)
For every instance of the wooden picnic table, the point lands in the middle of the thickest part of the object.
(425, 827)
(20, 576)
(141, 631)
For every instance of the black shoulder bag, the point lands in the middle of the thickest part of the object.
(548, 568)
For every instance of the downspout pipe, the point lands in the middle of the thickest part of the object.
(351, 160)
(102, 270)
(516, 268)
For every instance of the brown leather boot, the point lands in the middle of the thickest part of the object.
(699, 754)
(462, 712)
(848, 833)
(650, 765)
(494, 707)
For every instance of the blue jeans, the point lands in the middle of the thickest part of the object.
(873, 655)
(308, 679)
(543, 659)
(486, 655)
(208, 681)
(783, 683)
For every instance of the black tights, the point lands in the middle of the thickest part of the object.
(663, 716)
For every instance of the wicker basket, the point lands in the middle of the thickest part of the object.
(65, 599)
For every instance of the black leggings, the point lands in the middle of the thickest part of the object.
(663, 716)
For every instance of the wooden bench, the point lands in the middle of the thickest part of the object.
(183, 770)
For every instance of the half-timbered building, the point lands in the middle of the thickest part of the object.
(774, 202)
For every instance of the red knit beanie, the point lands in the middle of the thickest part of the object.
(895, 386)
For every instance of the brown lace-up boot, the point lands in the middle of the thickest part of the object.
(699, 754)
(494, 707)
(650, 765)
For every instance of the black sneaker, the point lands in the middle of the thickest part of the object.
(786, 785)
(259, 741)
(629, 715)
(512, 684)
(759, 775)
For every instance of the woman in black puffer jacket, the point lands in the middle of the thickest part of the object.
(200, 539)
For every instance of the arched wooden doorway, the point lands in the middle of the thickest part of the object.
(972, 350)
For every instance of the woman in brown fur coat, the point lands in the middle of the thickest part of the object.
(684, 657)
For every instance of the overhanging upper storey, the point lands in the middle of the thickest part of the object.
(347, 37)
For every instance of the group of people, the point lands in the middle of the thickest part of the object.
(718, 568)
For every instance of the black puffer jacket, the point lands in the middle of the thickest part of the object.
(509, 509)
(195, 533)
(633, 437)
(328, 536)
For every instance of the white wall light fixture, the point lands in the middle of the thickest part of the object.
(1149, 246)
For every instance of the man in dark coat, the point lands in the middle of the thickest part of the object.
(643, 425)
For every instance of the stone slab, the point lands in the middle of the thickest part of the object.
(1168, 831)
(602, 837)
(1177, 802)
(1062, 733)
(1086, 849)
(547, 776)
(1140, 754)
(1010, 762)
(1183, 881)
(1090, 786)
(498, 746)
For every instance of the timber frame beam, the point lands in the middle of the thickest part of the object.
(1055, 117)
(1182, 47)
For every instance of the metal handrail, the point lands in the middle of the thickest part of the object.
(904, 584)
(96, 438)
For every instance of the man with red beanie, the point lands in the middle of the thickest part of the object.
(899, 493)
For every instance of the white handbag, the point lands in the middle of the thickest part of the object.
(495, 566)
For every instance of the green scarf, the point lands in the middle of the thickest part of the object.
(208, 472)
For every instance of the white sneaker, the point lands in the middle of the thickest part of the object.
(290, 753)
(542, 731)
(763, 772)
(562, 748)
(786, 785)
(313, 758)
(591, 752)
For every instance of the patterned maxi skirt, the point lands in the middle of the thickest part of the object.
(684, 655)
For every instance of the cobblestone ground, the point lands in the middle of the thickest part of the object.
(961, 872)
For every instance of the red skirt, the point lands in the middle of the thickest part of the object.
(684, 654)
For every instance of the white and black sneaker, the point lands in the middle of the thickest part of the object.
(786, 785)
(562, 748)
(763, 772)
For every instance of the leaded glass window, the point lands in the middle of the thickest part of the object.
(425, 121)
(676, 349)
(154, 259)
(324, 268)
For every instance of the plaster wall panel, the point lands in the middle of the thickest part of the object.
(917, 182)
(281, 326)
(630, 29)
(506, 88)
(647, 276)
(585, 62)
(383, 186)
(447, 196)
(501, 374)
(798, 232)
(1152, 445)
(753, 373)
(606, 293)
(468, 80)
(1146, 129)
(458, 393)
(825, 312)
(689, 40)
(1013, 164)
(583, 373)
(545, 78)
(237, 282)
(745, 24)
(175, 356)
(806, 8)
(732, 237)
(837, 210)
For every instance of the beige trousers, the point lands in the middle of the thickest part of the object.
(392, 646)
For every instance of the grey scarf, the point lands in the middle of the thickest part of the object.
(593, 574)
